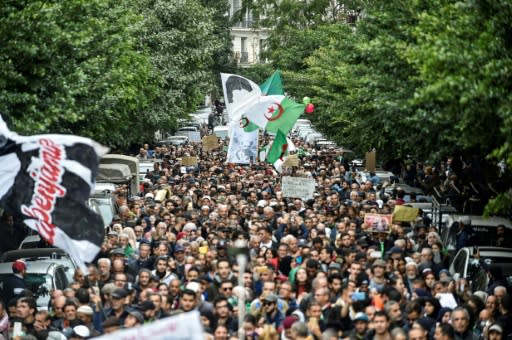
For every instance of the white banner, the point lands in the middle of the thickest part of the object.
(298, 187)
(243, 146)
(239, 92)
(185, 326)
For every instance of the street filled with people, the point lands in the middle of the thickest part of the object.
(316, 269)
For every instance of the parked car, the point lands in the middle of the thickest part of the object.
(31, 255)
(188, 128)
(221, 131)
(324, 144)
(174, 140)
(467, 265)
(201, 115)
(484, 229)
(301, 123)
(42, 277)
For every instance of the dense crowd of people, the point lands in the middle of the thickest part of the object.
(315, 270)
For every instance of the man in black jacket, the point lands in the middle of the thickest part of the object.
(14, 284)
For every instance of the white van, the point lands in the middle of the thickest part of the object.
(221, 131)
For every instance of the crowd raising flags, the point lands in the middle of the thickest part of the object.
(47, 179)
(264, 107)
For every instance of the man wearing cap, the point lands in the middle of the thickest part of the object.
(14, 284)
(133, 319)
(118, 308)
(179, 256)
(270, 312)
(378, 279)
(360, 322)
(495, 332)
(85, 314)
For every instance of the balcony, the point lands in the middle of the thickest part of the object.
(244, 24)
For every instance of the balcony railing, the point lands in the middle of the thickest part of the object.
(244, 24)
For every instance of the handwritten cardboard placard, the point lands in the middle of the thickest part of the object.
(298, 187)
(189, 161)
(210, 142)
(405, 214)
(291, 160)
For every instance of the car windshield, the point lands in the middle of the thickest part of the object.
(40, 285)
(479, 276)
(105, 208)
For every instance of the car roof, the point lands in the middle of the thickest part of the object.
(36, 267)
(480, 220)
(494, 251)
(33, 252)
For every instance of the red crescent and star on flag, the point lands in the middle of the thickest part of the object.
(271, 110)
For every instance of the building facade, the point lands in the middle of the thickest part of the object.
(248, 41)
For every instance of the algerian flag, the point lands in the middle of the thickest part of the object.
(274, 113)
(272, 85)
(247, 125)
(262, 153)
(279, 148)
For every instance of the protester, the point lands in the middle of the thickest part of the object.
(315, 267)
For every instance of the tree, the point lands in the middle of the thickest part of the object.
(106, 69)
(464, 69)
(178, 35)
(72, 67)
(362, 84)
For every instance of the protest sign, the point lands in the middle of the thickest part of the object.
(243, 146)
(189, 161)
(291, 160)
(185, 326)
(299, 187)
(404, 213)
(210, 143)
(378, 222)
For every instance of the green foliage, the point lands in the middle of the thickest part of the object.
(72, 67)
(425, 78)
(178, 37)
(105, 68)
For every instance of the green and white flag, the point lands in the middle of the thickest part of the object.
(273, 85)
(279, 149)
(274, 113)
(247, 125)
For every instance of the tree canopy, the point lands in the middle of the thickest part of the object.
(423, 79)
(104, 68)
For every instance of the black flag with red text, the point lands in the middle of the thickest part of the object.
(47, 179)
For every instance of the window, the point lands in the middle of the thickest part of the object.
(459, 263)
